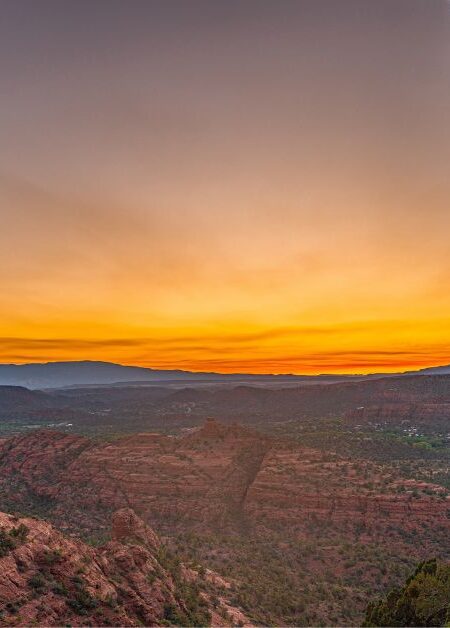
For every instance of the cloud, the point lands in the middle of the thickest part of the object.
(310, 350)
(200, 339)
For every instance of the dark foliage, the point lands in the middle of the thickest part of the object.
(423, 601)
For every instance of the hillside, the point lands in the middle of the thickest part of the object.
(17, 400)
(47, 579)
(277, 517)
(418, 404)
(20, 405)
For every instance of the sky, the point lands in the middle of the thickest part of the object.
(248, 186)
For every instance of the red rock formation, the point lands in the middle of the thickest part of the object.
(295, 486)
(216, 476)
(47, 579)
(220, 480)
(127, 526)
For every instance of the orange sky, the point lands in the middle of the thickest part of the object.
(261, 186)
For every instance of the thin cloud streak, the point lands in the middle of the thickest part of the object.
(158, 353)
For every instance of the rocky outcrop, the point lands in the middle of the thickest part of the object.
(216, 477)
(127, 527)
(297, 487)
(47, 579)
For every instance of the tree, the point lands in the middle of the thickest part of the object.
(423, 601)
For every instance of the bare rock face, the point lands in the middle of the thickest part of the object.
(212, 431)
(216, 477)
(296, 484)
(127, 526)
(47, 579)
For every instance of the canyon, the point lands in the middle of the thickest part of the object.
(220, 491)
(225, 474)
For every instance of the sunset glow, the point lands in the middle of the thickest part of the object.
(172, 196)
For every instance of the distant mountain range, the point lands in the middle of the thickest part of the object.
(417, 400)
(64, 374)
(434, 370)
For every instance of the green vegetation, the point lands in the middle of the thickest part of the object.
(6, 543)
(37, 582)
(425, 457)
(322, 580)
(96, 538)
(12, 538)
(374, 444)
(423, 601)
(81, 601)
(50, 557)
(192, 609)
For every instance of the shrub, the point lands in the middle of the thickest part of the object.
(6, 543)
(82, 602)
(9, 540)
(423, 601)
(37, 582)
(20, 533)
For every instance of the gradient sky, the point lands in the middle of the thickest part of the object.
(226, 185)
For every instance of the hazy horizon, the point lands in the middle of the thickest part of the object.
(223, 186)
(243, 373)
